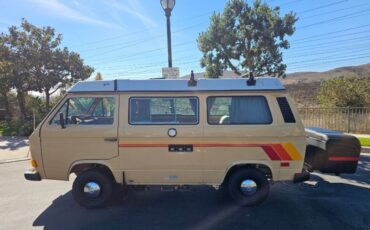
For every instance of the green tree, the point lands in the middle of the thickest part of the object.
(5, 84)
(19, 63)
(38, 64)
(345, 91)
(246, 38)
(53, 67)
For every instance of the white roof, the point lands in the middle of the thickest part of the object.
(169, 85)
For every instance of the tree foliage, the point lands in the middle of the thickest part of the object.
(246, 38)
(5, 83)
(345, 91)
(37, 63)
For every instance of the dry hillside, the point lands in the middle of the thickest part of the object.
(304, 86)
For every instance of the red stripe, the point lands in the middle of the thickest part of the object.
(343, 158)
(271, 153)
(282, 153)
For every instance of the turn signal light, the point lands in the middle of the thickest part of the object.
(34, 163)
(284, 164)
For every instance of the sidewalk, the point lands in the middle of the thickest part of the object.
(364, 149)
(13, 148)
(360, 135)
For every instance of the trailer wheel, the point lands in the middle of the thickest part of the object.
(248, 187)
(93, 188)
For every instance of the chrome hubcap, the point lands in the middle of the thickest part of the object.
(92, 189)
(248, 187)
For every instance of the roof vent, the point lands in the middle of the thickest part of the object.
(251, 80)
(192, 81)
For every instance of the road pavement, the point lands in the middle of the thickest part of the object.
(326, 202)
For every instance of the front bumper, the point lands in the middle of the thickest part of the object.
(32, 175)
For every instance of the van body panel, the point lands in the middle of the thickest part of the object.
(61, 147)
(142, 153)
(35, 150)
(144, 149)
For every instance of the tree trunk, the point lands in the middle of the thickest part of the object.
(47, 100)
(21, 103)
(6, 104)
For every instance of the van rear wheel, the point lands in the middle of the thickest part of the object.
(248, 187)
(93, 188)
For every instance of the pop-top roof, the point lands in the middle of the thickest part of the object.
(169, 85)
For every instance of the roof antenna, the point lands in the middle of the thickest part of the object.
(192, 81)
(251, 80)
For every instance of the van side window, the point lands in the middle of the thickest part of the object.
(87, 111)
(163, 110)
(285, 109)
(238, 110)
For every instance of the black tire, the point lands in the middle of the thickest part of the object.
(234, 187)
(98, 176)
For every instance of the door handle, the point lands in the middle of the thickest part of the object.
(111, 139)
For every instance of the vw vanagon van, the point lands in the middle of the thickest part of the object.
(234, 134)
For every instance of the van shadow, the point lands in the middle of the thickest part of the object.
(290, 206)
(362, 175)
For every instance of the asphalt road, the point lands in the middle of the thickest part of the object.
(327, 202)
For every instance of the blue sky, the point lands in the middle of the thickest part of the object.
(127, 38)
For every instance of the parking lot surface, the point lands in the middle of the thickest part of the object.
(326, 202)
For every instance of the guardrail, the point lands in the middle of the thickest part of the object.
(343, 119)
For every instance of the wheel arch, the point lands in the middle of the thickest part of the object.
(80, 166)
(264, 167)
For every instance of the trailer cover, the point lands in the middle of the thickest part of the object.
(331, 152)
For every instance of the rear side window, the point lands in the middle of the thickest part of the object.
(163, 110)
(285, 109)
(238, 110)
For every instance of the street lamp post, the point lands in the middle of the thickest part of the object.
(167, 6)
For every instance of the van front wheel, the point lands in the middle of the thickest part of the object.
(248, 187)
(92, 188)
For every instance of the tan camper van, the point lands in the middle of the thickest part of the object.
(234, 134)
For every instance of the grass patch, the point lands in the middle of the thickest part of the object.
(364, 141)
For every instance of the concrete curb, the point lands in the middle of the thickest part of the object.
(365, 149)
(14, 160)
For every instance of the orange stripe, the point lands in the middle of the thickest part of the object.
(293, 152)
(281, 151)
(195, 145)
(228, 145)
(142, 145)
(288, 152)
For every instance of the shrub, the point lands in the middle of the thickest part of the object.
(344, 92)
(17, 127)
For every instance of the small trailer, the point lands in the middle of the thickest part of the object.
(330, 151)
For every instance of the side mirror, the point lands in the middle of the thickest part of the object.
(61, 119)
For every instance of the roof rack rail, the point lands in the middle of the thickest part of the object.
(115, 85)
(192, 82)
(251, 80)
